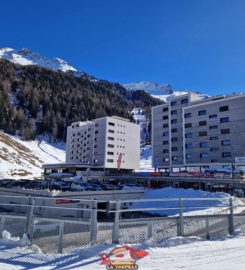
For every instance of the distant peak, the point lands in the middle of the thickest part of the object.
(6, 49)
(150, 87)
(25, 51)
(25, 57)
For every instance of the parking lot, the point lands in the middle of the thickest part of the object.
(69, 184)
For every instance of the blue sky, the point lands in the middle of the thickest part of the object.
(190, 44)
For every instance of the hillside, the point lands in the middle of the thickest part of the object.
(22, 159)
(36, 100)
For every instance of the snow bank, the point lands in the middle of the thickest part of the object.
(145, 159)
(11, 240)
(170, 242)
(206, 204)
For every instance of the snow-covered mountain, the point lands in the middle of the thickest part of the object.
(157, 90)
(150, 87)
(27, 57)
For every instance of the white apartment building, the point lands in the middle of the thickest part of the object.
(107, 142)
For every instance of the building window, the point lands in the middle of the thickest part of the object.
(174, 158)
(203, 133)
(214, 149)
(165, 125)
(225, 131)
(173, 103)
(165, 142)
(202, 123)
(226, 154)
(174, 139)
(165, 109)
(188, 125)
(188, 156)
(174, 112)
(187, 115)
(203, 144)
(96, 132)
(165, 117)
(226, 142)
(174, 148)
(165, 151)
(174, 121)
(212, 116)
(188, 135)
(224, 108)
(110, 145)
(224, 120)
(110, 153)
(203, 112)
(213, 127)
(188, 145)
(166, 159)
(204, 155)
(110, 160)
(173, 130)
(111, 131)
(165, 133)
(184, 101)
(111, 138)
(111, 124)
(213, 138)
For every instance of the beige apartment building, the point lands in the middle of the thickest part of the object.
(107, 142)
(191, 131)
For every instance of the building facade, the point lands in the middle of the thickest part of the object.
(190, 131)
(107, 142)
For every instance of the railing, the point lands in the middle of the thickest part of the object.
(122, 222)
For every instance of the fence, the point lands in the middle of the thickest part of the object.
(124, 222)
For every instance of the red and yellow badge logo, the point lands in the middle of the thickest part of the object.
(122, 258)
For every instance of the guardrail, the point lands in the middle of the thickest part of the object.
(125, 221)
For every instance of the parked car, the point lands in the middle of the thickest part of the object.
(109, 187)
(96, 187)
(77, 187)
(132, 186)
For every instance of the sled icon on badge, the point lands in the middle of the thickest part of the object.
(122, 258)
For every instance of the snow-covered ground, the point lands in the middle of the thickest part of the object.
(195, 202)
(24, 159)
(145, 159)
(190, 253)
